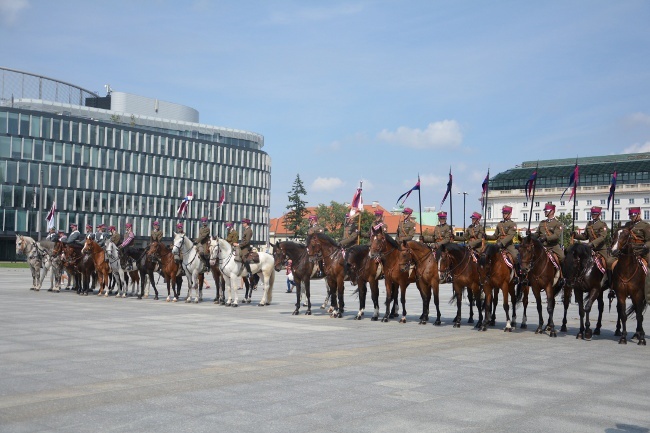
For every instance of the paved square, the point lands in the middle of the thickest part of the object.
(80, 364)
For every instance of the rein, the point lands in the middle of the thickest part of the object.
(465, 259)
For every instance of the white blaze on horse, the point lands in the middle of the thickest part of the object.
(192, 264)
(222, 253)
(37, 257)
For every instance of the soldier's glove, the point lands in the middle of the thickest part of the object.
(528, 232)
(590, 245)
(542, 238)
(499, 244)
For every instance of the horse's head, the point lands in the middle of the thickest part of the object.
(620, 240)
(21, 244)
(314, 247)
(530, 249)
(179, 239)
(279, 255)
(445, 262)
(405, 257)
(88, 246)
(378, 243)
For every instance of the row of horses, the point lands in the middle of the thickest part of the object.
(481, 277)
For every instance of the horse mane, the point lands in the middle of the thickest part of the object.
(356, 254)
(490, 250)
(578, 250)
(391, 241)
(326, 238)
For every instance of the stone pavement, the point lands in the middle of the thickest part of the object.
(91, 364)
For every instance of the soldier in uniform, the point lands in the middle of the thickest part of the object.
(504, 235)
(245, 244)
(52, 236)
(156, 233)
(127, 244)
(89, 232)
(442, 233)
(101, 236)
(595, 233)
(640, 233)
(115, 236)
(62, 237)
(232, 237)
(378, 223)
(177, 257)
(350, 231)
(406, 227)
(202, 242)
(549, 232)
(74, 237)
(314, 227)
(474, 234)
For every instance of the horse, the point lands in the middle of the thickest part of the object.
(143, 271)
(117, 274)
(385, 249)
(101, 265)
(192, 264)
(541, 274)
(37, 257)
(169, 269)
(223, 255)
(303, 269)
(362, 269)
(322, 247)
(421, 258)
(628, 279)
(461, 264)
(68, 256)
(495, 274)
(582, 275)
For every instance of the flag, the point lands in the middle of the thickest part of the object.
(407, 193)
(51, 217)
(573, 182)
(182, 209)
(484, 187)
(222, 197)
(357, 201)
(612, 189)
(530, 184)
(448, 189)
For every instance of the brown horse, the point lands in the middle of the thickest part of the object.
(80, 265)
(102, 267)
(460, 263)
(385, 249)
(541, 275)
(419, 256)
(628, 279)
(494, 275)
(322, 247)
(582, 275)
(303, 269)
(59, 253)
(364, 270)
(159, 252)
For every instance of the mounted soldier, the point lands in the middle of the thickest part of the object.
(156, 233)
(89, 232)
(116, 238)
(178, 257)
(75, 236)
(52, 236)
(127, 245)
(350, 231)
(549, 232)
(245, 244)
(504, 235)
(233, 236)
(202, 242)
(474, 234)
(62, 237)
(378, 223)
(406, 227)
(640, 238)
(101, 236)
(314, 227)
(442, 233)
(595, 233)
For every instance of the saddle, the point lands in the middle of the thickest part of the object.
(253, 257)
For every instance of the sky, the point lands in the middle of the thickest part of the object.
(379, 91)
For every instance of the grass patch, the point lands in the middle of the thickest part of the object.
(19, 265)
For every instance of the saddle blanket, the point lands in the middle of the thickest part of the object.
(599, 261)
(553, 260)
(506, 258)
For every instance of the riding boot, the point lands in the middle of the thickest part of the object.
(206, 260)
(518, 278)
(647, 289)
(606, 282)
(248, 267)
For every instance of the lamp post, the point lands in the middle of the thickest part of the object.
(464, 220)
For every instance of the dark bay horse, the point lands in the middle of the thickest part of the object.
(494, 275)
(385, 249)
(145, 266)
(628, 280)
(364, 270)
(420, 259)
(463, 267)
(582, 275)
(80, 265)
(68, 258)
(322, 247)
(159, 252)
(541, 275)
(303, 268)
(102, 268)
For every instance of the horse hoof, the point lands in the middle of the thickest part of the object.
(228, 304)
(357, 317)
(139, 297)
(437, 323)
(588, 334)
(308, 313)
(374, 319)
(260, 304)
(235, 305)
(617, 333)
(196, 301)
(456, 325)
(175, 300)
(484, 328)
(402, 320)
(49, 290)
(384, 320)
(622, 341)
(553, 334)
(538, 331)
(523, 326)
(155, 298)
(563, 328)
(579, 336)
(641, 342)
(248, 301)
(597, 331)
(295, 313)
(470, 321)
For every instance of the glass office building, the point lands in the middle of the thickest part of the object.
(63, 144)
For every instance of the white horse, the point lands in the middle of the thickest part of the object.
(192, 264)
(232, 270)
(37, 257)
(113, 256)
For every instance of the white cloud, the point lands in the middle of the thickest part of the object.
(639, 118)
(9, 10)
(638, 148)
(326, 184)
(443, 134)
(431, 180)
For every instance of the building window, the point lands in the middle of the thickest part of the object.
(588, 202)
(536, 216)
(646, 200)
(525, 217)
(617, 215)
(525, 204)
(602, 201)
(536, 204)
(646, 214)
(617, 201)
(631, 201)
(562, 203)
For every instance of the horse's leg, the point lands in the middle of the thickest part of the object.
(333, 295)
(389, 297)
(538, 299)
(426, 304)
(550, 309)
(506, 308)
(579, 295)
(374, 293)
(470, 298)
(402, 290)
(639, 306)
(601, 308)
(622, 317)
(597, 294)
(458, 294)
(361, 287)
(525, 290)
(495, 304)
(264, 301)
(566, 301)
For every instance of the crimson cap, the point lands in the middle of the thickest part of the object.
(407, 211)
(596, 210)
(634, 211)
(506, 209)
(476, 215)
(549, 207)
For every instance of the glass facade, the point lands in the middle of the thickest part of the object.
(98, 171)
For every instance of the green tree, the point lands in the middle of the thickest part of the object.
(332, 218)
(366, 222)
(567, 222)
(294, 220)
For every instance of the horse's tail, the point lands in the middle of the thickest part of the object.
(453, 299)
(631, 311)
(561, 291)
(519, 294)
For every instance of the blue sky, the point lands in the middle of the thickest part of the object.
(372, 90)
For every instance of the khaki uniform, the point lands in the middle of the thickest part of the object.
(551, 228)
(156, 235)
(640, 239)
(350, 233)
(245, 244)
(441, 235)
(116, 238)
(504, 235)
(405, 230)
(233, 237)
(203, 240)
(473, 237)
(595, 232)
(316, 228)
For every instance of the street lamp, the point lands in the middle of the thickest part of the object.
(464, 198)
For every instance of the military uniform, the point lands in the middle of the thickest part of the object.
(245, 244)
(101, 238)
(116, 238)
(315, 228)
(640, 241)
(595, 233)
(202, 242)
(549, 232)
(441, 235)
(75, 238)
(405, 230)
(473, 236)
(377, 224)
(156, 235)
(504, 235)
(350, 233)
(52, 237)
